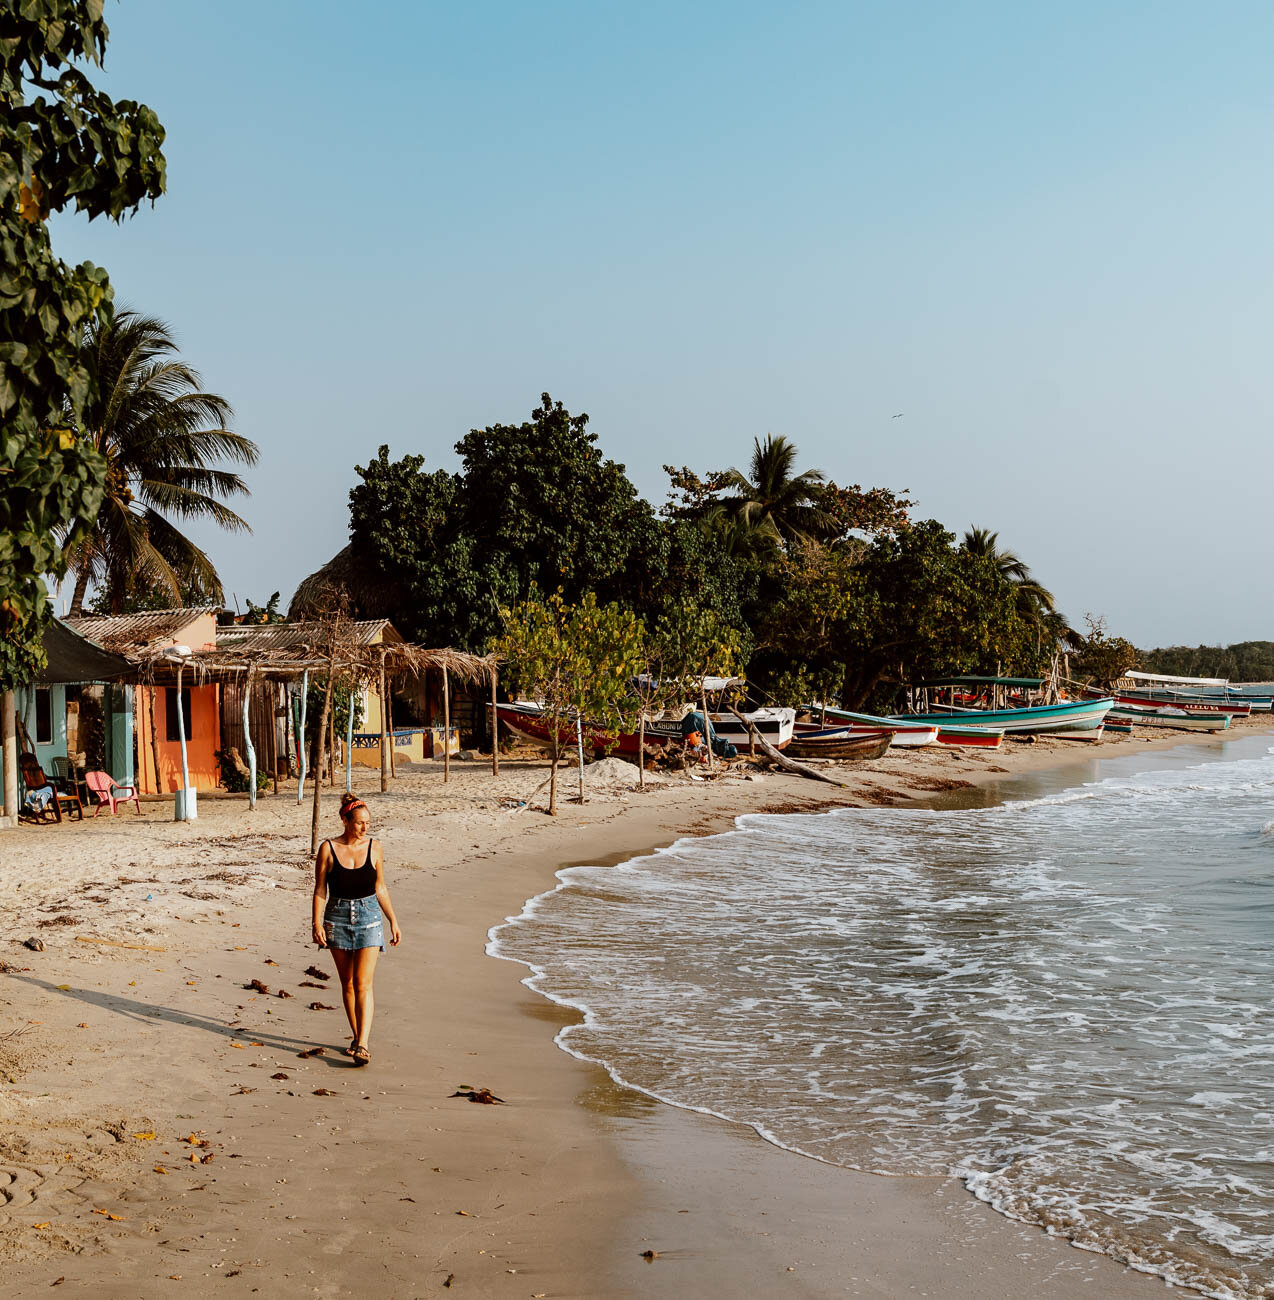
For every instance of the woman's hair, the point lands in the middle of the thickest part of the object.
(349, 802)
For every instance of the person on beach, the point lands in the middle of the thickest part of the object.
(351, 907)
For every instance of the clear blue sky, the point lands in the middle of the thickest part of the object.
(1041, 233)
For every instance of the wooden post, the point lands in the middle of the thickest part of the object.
(707, 721)
(154, 738)
(579, 743)
(349, 743)
(272, 695)
(495, 730)
(324, 718)
(331, 748)
(384, 723)
(389, 713)
(302, 755)
(446, 728)
(641, 748)
(247, 742)
(9, 739)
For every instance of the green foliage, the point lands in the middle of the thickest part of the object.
(1102, 659)
(63, 144)
(342, 697)
(163, 438)
(1244, 661)
(535, 505)
(259, 614)
(233, 779)
(577, 660)
(690, 643)
(913, 604)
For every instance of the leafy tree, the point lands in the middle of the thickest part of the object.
(162, 437)
(267, 613)
(63, 144)
(1035, 603)
(1102, 659)
(577, 660)
(912, 605)
(779, 506)
(1244, 661)
(535, 505)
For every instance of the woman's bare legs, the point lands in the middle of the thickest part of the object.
(344, 960)
(362, 969)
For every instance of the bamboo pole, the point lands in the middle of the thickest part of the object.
(250, 750)
(641, 748)
(272, 695)
(324, 719)
(495, 730)
(302, 756)
(9, 738)
(446, 728)
(154, 738)
(389, 713)
(707, 721)
(331, 748)
(384, 721)
(579, 743)
(349, 743)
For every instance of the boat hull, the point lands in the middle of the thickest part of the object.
(1075, 715)
(1174, 721)
(840, 744)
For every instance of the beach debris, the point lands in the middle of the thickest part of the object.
(148, 1136)
(314, 1051)
(240, 1046)
(194, 1140)
(449, 1279)
(324, 1092)
(45, 1224)
(114, 1218)
(649, 1255)
(280, 1075)
(483, 1096)
(464, 1214)
(269, 961)
(257, 985)
(283, 993)
(6, 969)
(36, 945)
(321, 1006)
(318, 974)
(159, 1169)
(309, 984)
(240, 1091)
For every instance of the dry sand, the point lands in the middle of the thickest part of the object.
(280, 1175)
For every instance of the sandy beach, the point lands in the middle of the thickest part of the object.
(164, 1124)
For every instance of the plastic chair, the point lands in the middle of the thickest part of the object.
(107, 790)
(34, 779)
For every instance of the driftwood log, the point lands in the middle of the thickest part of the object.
(781, 760)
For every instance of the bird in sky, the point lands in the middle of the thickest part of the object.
(897, 417)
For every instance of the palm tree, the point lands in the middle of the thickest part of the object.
(163, 438)
(1035, 603)
(771, 498)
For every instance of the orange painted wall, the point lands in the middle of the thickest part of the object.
(201, 748)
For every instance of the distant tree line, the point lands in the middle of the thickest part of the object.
(1245, 661)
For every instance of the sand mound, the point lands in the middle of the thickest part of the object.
(615, 776)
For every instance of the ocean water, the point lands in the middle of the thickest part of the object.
(1066, 1000)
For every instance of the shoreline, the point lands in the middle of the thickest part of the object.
(387, 1183)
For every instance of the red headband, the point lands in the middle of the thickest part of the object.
(349, 807)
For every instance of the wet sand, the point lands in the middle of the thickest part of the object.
(381, 1183)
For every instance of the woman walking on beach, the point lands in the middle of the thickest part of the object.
(351, 906)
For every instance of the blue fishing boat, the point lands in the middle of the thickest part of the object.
(1067, 715)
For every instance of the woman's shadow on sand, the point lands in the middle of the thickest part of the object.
(149, 1013)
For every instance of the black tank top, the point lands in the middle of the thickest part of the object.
(351, 882)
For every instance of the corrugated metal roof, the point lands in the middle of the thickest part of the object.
(288, 636)
(124, 632)
(72, 657)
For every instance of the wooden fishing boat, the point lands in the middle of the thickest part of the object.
(906, 736)
(907, 731)
(1067, 715)
(841, 743)
(525, 719)
(1140, 698)
(1166, 716)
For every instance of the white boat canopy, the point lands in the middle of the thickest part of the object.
(709, 683)
(1177, 681)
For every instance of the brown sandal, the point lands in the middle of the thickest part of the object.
(349, 1051)
(361, 1056)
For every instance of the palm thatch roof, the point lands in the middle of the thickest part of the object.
(345, 580)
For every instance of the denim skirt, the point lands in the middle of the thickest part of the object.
(352, 923)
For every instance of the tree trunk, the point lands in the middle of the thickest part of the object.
(322, 728)
(553, 753)
(384, 722)
(446, 728)
(154, 739)
(641, 751)
(81, 588)
(495, 730)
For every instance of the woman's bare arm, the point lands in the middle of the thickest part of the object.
(382, 897)
(321, 865)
